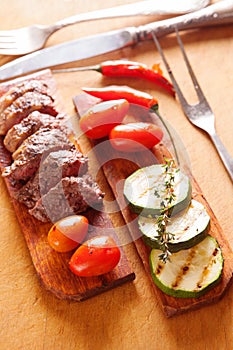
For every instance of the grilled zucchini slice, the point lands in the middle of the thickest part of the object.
(190, 273)
(188, 228)
(145, 190)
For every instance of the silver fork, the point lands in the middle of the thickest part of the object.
(199, 114)
(28, 39)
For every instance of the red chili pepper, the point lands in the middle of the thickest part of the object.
(115, 92)
(129, 69)
(124, 68)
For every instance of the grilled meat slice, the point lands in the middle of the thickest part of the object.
(56, 166)
(28, 156)
(67, 162)
(72, 195)
(28, 126)
(16, 91)
(23, 106)
(43, 140)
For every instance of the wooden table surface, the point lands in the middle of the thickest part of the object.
(128, 317)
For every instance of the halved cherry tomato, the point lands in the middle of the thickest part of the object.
(95, 257)
(98, 121)
(134, 137)
(68, 233)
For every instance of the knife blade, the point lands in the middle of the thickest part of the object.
(70, 51)
(95, 45)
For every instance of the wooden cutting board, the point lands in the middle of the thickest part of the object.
(52, 267)
(117, 167)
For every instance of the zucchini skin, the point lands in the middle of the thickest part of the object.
(173, 210)
(180, 293)
(177, 208)
(176, 247)
(202, 221)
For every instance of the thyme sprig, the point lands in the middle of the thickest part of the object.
(163, 236)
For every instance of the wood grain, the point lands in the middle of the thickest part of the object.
(118, 166)
(52, 267)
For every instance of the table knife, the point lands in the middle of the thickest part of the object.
(219, 13)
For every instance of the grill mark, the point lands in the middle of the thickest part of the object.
(207, 268)
(154, 186)
(159, 269)
(184, 269)
(158, 183)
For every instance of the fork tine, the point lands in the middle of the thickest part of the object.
(9, 33)
(7, 40)
(7, 44)
(200, 114)
(172, 77)
(197, 87)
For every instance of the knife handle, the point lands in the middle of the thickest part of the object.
(216, 14)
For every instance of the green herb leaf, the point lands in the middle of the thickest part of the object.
(163, 237)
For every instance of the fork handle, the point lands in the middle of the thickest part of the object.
(141, 8)
(216, 14)
(223, 153)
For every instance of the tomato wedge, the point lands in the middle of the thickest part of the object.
(98, 121)
(135, 137)
(95, 257)
(68, 233)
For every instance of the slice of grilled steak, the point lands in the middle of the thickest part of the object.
(28, 126)
(56, 166)
(65, 162)
(72, 195)
(23, 106)
(44, 139)
(16, 91)
(28, 156)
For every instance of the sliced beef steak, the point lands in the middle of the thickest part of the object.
(19, 90)
(28, 126)
(67, 162)
(23, 106)
(72, 195)
(56, 166)
(28, 156)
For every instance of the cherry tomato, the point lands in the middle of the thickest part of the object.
(95, 257)
(68, 233)
(102, 117)
(134, 137)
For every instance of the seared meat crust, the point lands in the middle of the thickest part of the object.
(23, 106)
(19, 90)
(28, 126)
